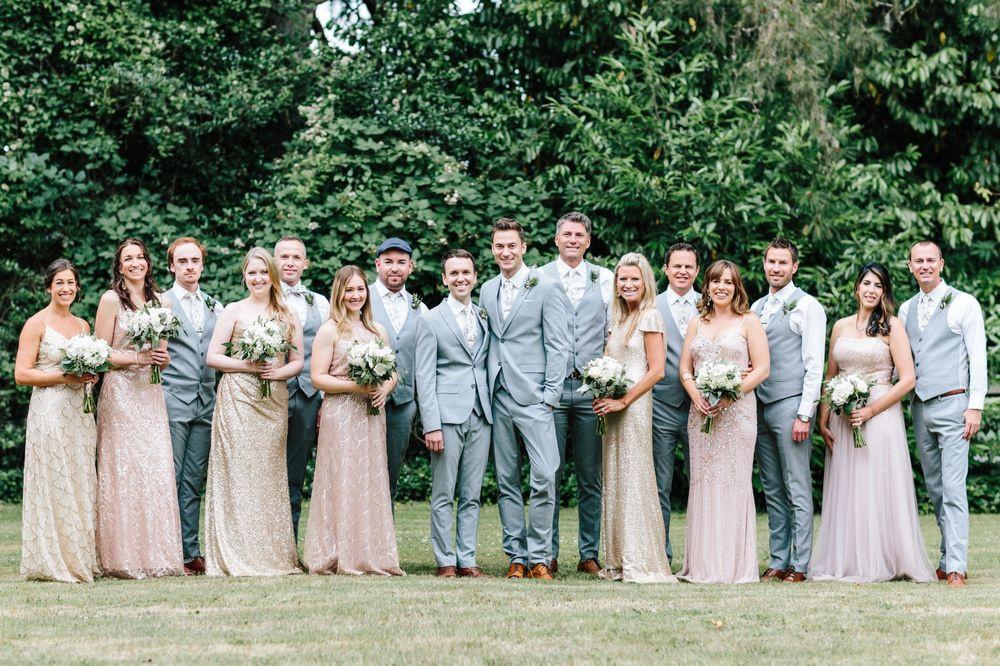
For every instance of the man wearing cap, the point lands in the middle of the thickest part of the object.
(397, 310)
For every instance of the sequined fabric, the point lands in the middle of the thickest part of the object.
(631, 523)
(60, 481)
(138, 523)
(720, 543)
(248, 517)
(350, 528)
(869, 529)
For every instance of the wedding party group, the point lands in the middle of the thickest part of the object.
(213, 409)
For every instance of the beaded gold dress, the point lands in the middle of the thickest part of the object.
(631, 523)
(248, 517)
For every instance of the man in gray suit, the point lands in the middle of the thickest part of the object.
(795, 324)
(588, 288)
(189, 388)
(304, 400)
(948, 340)
(678, 306)
(528, 318)
(454, 400)
(397, 310)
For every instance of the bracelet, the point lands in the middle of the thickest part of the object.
(687, 376)
(135, 358)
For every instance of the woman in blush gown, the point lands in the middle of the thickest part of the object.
(60, 482)
(869, 529)
(248, 516)
(720, 542)
(138, 522)
(350, 528)
(631, 523)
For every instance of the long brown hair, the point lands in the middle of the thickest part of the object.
(881, 317)
(118, 284)
(276, 298)
(338, 311)
(741, 302)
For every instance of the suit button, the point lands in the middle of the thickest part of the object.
(501, 339)
(472, 386)
(917, 364)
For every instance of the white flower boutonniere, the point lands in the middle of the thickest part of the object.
(788, 307)
(530, 283)
(415, 301)
(946, 301)
(211, 304)
(309, 298)
(593, 277)
(483, 314)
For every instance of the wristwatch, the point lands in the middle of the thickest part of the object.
(804, 419)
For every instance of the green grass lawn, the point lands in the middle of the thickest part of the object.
(422, 619)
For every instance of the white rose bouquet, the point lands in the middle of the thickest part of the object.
(717, 380)
(147, 327)
(604, 378)
(846, 393)
(370, 363)
(261, 340)
(86, 355)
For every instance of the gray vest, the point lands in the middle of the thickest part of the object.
(588, 324)
(404, 344)
(938, 357)
(669, 389)
(785, 347)
(188, 376)
(303, 382)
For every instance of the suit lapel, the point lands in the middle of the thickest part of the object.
(449, 320)
(488, 300)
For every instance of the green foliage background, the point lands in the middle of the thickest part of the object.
(855, 128)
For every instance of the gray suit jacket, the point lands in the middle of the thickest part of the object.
(446, 368)
(531, 346)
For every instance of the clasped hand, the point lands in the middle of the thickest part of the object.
(708, 409)
(377, 393)
(605, 406)
(160, 357)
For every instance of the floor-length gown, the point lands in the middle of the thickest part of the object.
(350, 528)
(248, 517)
(869, 529)
(60, 480)
(631, 522)
(720, 542)
(138, 522)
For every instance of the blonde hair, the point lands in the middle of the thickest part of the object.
(338, 311)
(741, 302)
(276, 297)
(619, 308)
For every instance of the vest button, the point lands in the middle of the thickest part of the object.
(472, 386)
(917, 364)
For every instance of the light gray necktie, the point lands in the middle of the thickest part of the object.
(771, 306)
(470, 329)
(391, 301)
(506, 298)
(924, 310)
(574, 290)
(196, 312)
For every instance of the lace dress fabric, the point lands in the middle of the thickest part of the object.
(60, 481)
(248, 517)
(720, 542)
(869, 529)
(631, 522)
(138, 522)
(350, 528)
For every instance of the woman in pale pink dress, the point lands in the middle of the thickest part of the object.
(350, 528)
(869, 529)
(720, 541)
(138, 522)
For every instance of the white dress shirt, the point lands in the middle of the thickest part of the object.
(678, 304)
(188, 299)
(807, 320)
(580, 278)
(295, 297)
(965, 318)
(466, 316)
(517, 282)
(397, 305)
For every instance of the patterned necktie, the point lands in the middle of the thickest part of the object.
(196, 312)
(506, 298)
(924, 310)
(574, 290)
(391, 301)
(470, 329)
(683, 307)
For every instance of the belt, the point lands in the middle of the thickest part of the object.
(946, 395)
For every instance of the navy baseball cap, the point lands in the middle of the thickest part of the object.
(394, 244)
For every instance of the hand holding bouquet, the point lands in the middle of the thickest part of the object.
(147, 327)
(718, 380)
(370, 363)
(261, 341)
(604, 378)
(86, 355)
(846, 393)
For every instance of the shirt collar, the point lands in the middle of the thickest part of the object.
(938, 292)
(672, 296)
(456, 306)
(564, 268)
(285, 287)
(383, 290)
(181, 293)
(785, 292)
(520, 276)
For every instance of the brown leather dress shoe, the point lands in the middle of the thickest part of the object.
(956, 579)
(554, 567)
(589, 566)
(195, 567)
(517, 570)
(940, 573)
(540, 571)
(470, 572)
(446, 572)
(794, 577)
(773, 574)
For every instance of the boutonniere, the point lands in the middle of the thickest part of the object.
(946, 301)
(483, 314)
(211, 303)
(530, 283)
(309, 298)
(788, 307)
(415, 301)
(593, 277)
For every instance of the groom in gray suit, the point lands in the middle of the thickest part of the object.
(398, 311)
(678, 306)
(453, 395)
(588, 288)
(189, 388)
(528, 317)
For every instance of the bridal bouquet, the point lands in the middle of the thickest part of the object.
(369, 364)
(604, 378)
(86, 355)
(717, 380)
(261, 340)
(147, 327)
(845, 393)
